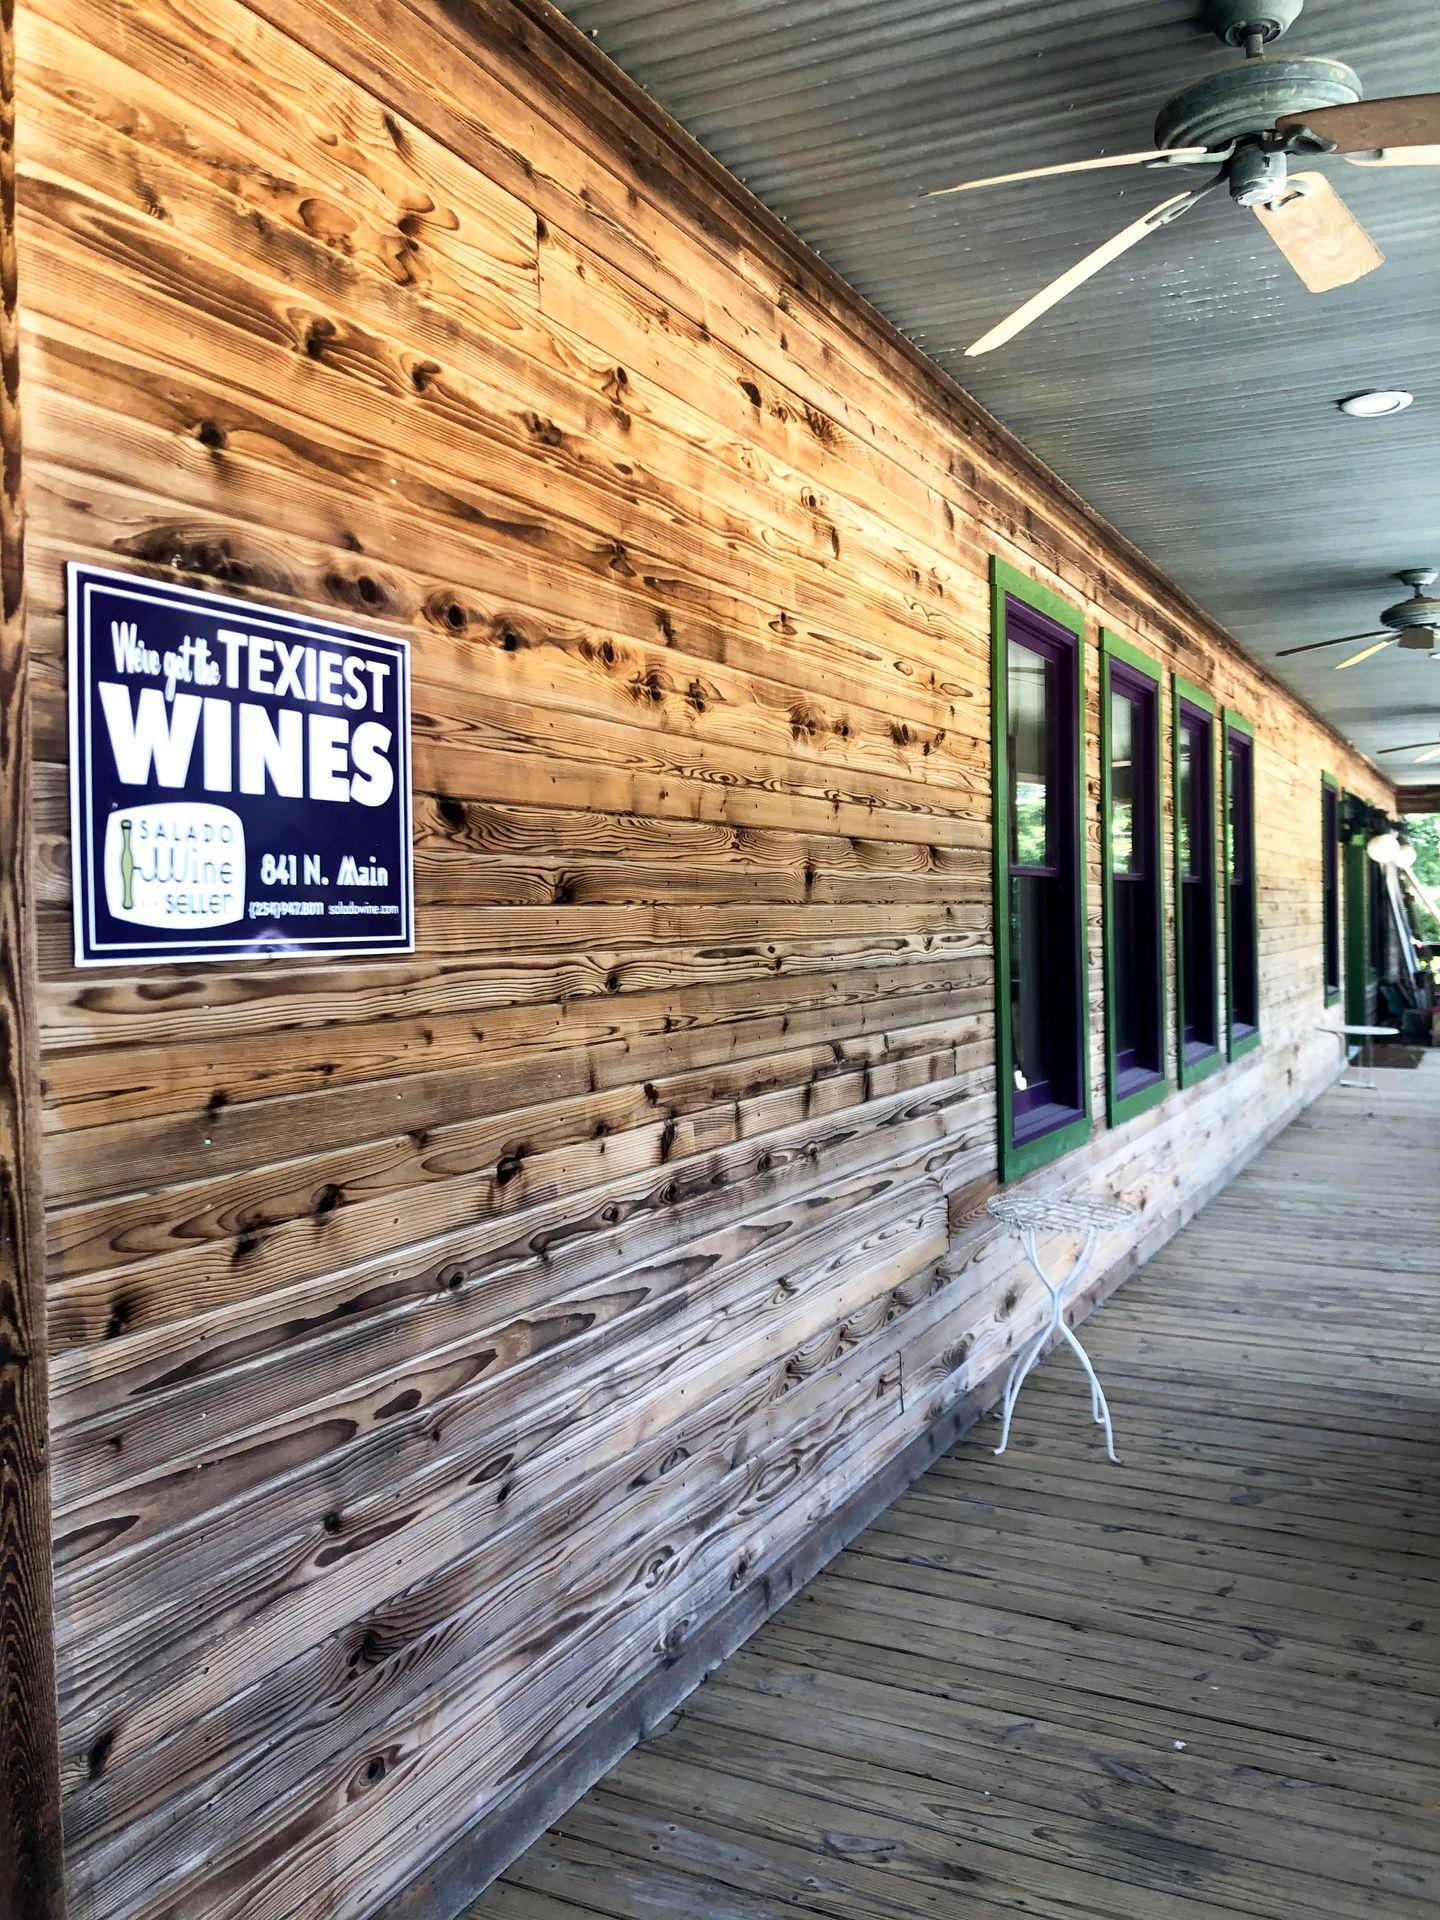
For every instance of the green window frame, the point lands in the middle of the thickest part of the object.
(1356, 943)
(1237, 1044)
(1189, 1071)
(1122, 1107)
(1008, 583)
(1332, 891)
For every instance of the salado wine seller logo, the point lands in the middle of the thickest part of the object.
(239, 778)
(175, 863)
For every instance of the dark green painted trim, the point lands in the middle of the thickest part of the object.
(1112, 647)
(1232, 722)
(1184, 689)
(1005, 580)
(1331, 994)
(1188, 1072)
(1356, 944)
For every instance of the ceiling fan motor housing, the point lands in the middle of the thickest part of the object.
(1239, 22)
(1414, 621)
(1247, 100)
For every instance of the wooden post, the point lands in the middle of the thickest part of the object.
(31, 1865)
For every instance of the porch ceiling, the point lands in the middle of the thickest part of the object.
(1189, 392)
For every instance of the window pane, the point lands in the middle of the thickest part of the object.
(1237, 838)
(1187, 814)
(1030, 693)
(1124, 781)
(1244, 982)
(1128, 905)
(1195, 831)
(1030, 939)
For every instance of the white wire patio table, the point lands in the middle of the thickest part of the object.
(1031, 1215)
(1366, 1036)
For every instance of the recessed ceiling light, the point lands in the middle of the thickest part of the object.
(1374, 405)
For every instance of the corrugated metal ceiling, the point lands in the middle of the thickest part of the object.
(1188, 392)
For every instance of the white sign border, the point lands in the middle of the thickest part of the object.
(82, 852)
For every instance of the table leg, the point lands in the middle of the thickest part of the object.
(1024, 1362)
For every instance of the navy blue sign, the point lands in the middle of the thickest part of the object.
(239, 779)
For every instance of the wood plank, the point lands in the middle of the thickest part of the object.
(31, 1863)
(1204, 1679)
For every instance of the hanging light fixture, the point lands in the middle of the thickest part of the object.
(1383, 848)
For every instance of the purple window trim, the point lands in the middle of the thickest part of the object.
(1198, 902)
(1132, 1073)
(1243, 984)
(1035, 1110)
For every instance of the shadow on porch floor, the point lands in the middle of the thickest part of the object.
(1202, 1684)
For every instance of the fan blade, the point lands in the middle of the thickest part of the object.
(1087, 268)
(1364, 654)
(1413, 747)
(1318, 234)
(1408, 120)
(1397, 157)
(1432, 754)
(1183, 156)
(1344, 641)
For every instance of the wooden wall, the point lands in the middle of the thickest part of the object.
(436, 1344)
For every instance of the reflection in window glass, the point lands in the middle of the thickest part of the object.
(1186, 809)
(1123, 782)
(1028, 696)
(1030, 940)
(1237, 854)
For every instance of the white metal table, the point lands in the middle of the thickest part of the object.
(1365, 1035)
(1031, 1215)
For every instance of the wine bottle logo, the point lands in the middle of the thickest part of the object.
(127, 867)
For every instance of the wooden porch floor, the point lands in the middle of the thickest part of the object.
(1202, 1684)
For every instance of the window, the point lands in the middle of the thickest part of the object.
(1130, 850)
(1330, 884)
(1197, 1017)
(1242, 927)
(1042, 1078)
(1377, 912)
(1355, 918)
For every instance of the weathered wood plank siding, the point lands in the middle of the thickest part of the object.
(436, 1344)
(31, 1871)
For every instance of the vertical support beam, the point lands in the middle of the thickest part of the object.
(31, 1860)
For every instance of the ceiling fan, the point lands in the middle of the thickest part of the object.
(1413, 625)
(1248, 123)
(1432, 750)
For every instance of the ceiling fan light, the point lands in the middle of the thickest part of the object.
(1406, 856)
(1376, 403)
(1383, 848)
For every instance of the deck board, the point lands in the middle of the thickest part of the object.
(1204, 1683)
